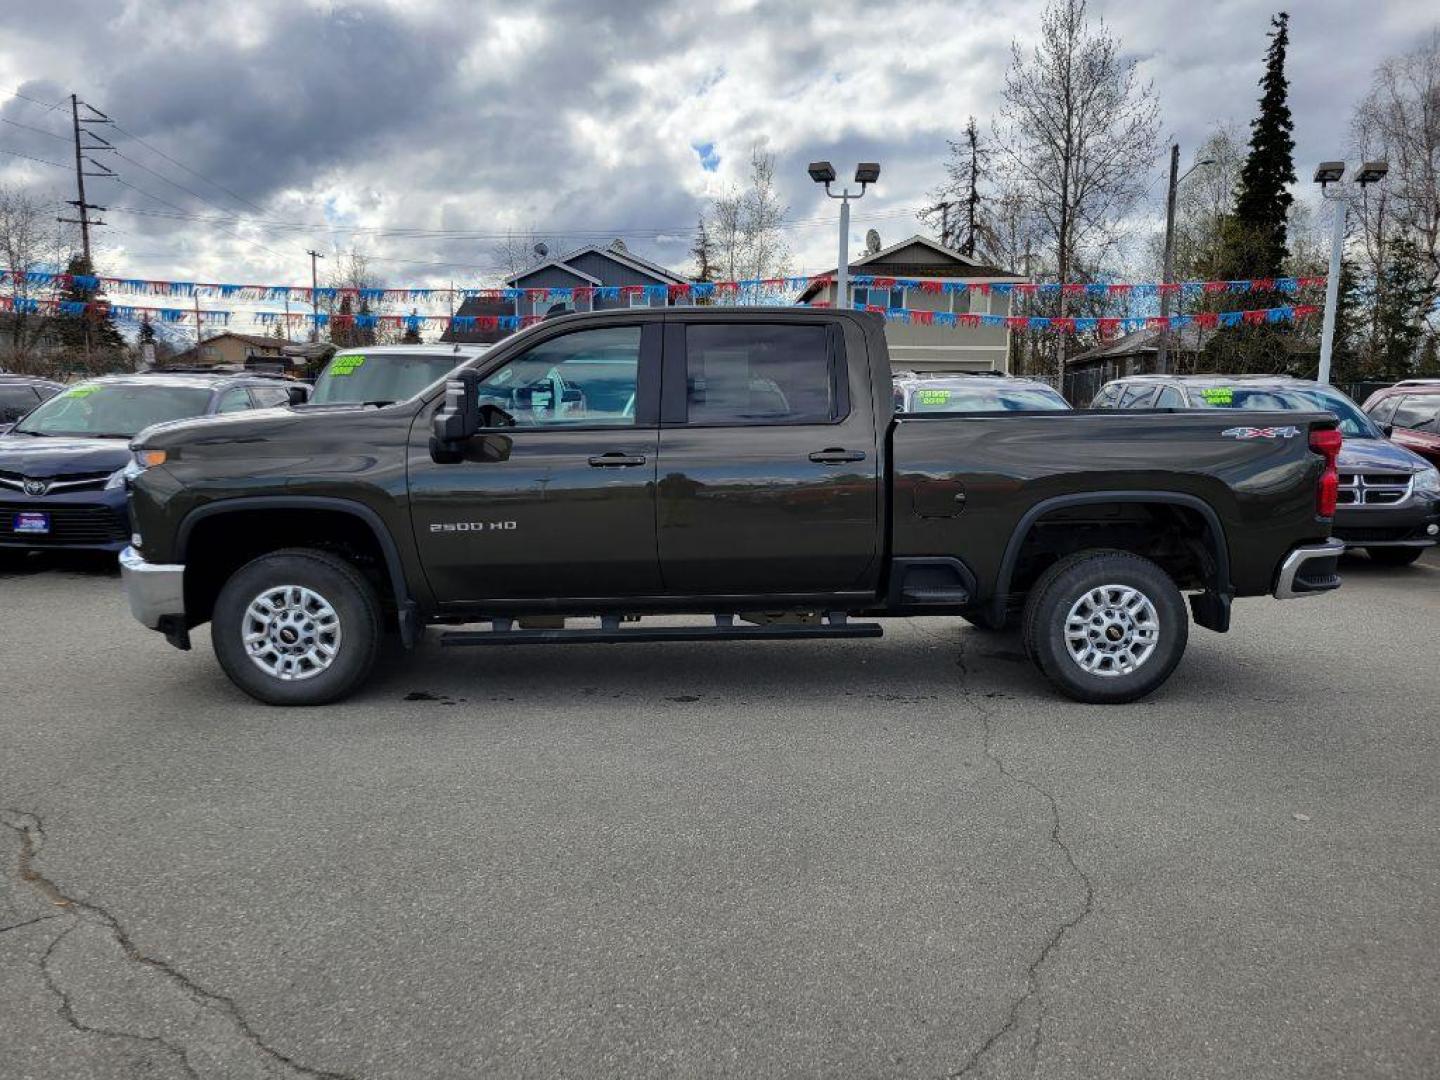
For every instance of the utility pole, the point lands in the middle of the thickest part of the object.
(80, 162)
(199, 336)
(1162, 352)
(314, 296)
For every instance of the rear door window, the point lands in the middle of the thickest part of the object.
(1169, 398)
(1105, 399)
(1137, 397)
(234, 400)
(759, 373)
(1418, 413)
(269, 397)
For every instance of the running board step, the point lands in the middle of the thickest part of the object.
(772, 632)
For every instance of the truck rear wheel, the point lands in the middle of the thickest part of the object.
(1105, 626)
(296, 627)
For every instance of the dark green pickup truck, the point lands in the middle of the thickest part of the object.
(741, 464)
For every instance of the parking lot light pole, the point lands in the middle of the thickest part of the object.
(1327, 173)
(866, 173)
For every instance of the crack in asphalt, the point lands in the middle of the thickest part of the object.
(31, 834)
(1067, 926)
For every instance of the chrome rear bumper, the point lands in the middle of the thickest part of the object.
(1309, 570)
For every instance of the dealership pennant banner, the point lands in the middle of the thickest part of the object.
(1106, 327)
(664, 293)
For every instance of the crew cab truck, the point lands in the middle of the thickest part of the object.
(740, 464)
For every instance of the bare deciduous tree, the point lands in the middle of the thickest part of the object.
(1078, 134)
(29, 242)
(743, 224)
(1399, 121)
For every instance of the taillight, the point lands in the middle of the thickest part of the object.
(1326, 442)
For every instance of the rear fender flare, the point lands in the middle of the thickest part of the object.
(1219, 547)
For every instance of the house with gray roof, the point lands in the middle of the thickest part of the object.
(642, 283)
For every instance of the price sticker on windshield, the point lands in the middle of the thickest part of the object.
(934, 397)
(346, 365)
(81, 391)
(1218, 395)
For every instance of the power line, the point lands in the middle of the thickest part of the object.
(182, 165)
(30, 127)
(31, 157)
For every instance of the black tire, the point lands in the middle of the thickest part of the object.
(337, 584)
(1394, 556)
(1064, 585)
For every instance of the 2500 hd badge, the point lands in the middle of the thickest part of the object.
(472, 526)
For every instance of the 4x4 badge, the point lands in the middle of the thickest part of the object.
(1261, 432)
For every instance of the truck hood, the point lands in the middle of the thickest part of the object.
(57, 456)
(1378, 455)
(259, 425)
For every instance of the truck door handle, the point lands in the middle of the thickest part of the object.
(834, 455)
(616, 459)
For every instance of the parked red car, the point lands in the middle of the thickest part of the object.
(1409, 413)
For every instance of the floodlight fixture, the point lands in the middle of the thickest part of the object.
(1372, 172)
(1329, 172)
(867, 172)
(822, 172)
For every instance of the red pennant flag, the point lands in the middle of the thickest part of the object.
(1025, 288)
(1207, 319)
(1072, 289)
(1158, 322)
(1016, 322)
(678, 291)
(1063, 326)
(1119, 290)
(1171, 287)
(968, 321)
(1109, 327)
(1216, 286)
(932, 287)
(1265, 284)
(922, 317)
(883, 283)
(1253, 318)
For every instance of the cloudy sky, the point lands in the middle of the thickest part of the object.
(581, 121)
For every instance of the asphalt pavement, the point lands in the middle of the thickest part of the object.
(896, 858)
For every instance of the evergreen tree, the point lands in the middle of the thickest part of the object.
(1402, 298)
(1256, 239)
(704, 253)
(412, 331)
(342, 324)
(147, 331)
(95, 331)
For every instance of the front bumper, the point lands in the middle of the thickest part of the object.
(156, 591)
(84, 521)
(1413, 524)
(1309, 570)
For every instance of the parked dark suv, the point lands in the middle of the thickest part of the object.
(1409, 412)
(1389, 499)
(62, 467)
(21, 393)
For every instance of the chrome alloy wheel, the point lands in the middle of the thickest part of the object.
(1111, 630)
(291, 632)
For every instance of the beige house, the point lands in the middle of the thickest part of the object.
(229, 349)
(931, 348)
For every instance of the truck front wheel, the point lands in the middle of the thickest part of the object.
(296, 627)
(1105, 626)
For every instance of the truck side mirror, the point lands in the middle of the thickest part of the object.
(299, 395)
(458, 418)
(1387, 430)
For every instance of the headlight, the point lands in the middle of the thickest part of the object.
(142, 460)
(1427, 481)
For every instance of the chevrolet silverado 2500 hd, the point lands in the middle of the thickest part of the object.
(731, 463)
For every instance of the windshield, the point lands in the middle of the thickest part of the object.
(1353, 423)
(354, 377)
(986, 399)
(114, 410)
